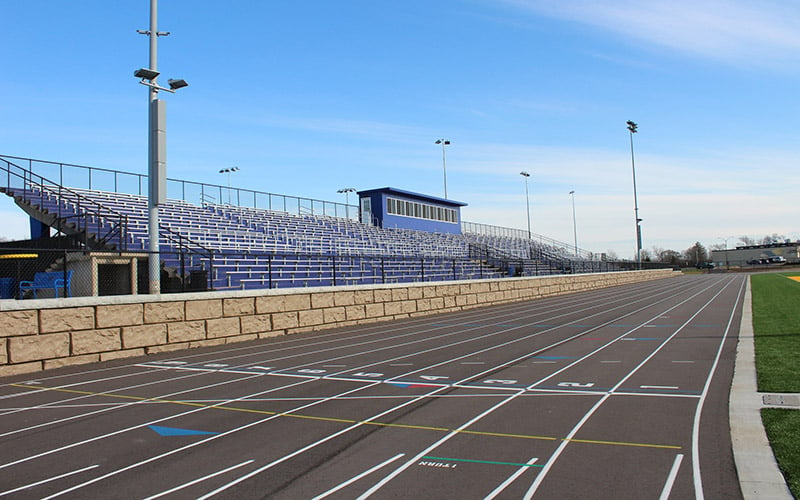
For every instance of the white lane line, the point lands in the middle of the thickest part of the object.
(682, 361)
(666, 387)
(673, 473)
(356, 478)
(554, 457)
(321, 338)
(196, 443)
(139, 426)
(219, 435)
(4, 493)
(314, 444)
(96, 412)
(611, 361)
(510, 479)
(198, 480)
(698, 481)
(435, 445)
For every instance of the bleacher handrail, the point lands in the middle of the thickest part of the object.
(134, 183)
(90, 208)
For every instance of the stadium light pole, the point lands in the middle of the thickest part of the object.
(229, 171)
(574, 222)
(156, 145)
(632, 129)
(346, 192)
(527, 200)
(444, 142)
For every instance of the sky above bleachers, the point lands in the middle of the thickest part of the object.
(308, 97)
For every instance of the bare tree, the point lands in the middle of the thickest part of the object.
(696, 254)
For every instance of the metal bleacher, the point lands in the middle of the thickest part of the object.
(242, 247)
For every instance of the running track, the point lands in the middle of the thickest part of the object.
(616, 393)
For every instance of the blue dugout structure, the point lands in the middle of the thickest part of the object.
(395, 208)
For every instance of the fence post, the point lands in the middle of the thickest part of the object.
(333, 274)
(66, 283)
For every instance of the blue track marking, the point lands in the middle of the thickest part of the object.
(174, 431)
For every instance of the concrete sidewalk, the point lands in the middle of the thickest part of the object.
(758, 471)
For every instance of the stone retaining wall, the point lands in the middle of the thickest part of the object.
(42, 334)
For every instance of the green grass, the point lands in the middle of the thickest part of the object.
(776, 324)
(783, 431)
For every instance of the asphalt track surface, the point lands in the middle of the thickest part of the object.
(616, 393)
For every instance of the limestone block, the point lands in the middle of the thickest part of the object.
(92, 341)
(14, 323)
(238, 307)
(282, 321)
(355, 312)
(186, 331)
(163, 312)
(382, 295)
(270, 304)
(333, 315)
(311, 317)
(415, 292)
(3, 351)
(20, 369)
(399, 294)
(267, 335)
(241, 338)
(143, 336)
(344, 298)
(127, 353)
(119, 315)
(363, 297)
(37, 347)
(222, 327)
(321, 300)
(49, 364)
(256, 324)
(207, 343)
(424, 305)
(66, 319)
(203, 309)
(167, 348)
(408, 306)
(299, 302)
(374, 310)
(391, 308)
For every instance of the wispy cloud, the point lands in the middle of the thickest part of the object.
(739, 32)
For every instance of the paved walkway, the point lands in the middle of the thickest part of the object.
(758, 471)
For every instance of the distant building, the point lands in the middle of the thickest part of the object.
(394, 208)
(773, 253)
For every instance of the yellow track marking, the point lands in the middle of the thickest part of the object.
(347, 421)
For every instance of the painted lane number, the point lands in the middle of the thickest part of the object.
(575, 384)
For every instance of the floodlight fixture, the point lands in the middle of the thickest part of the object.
(444, 142)
(527, 200)
(146, 74)
(177, 83)
(632, 128)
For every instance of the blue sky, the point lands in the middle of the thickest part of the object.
(307, 97)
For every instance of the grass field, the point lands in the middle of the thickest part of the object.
(776, 323)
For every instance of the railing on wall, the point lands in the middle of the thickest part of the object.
(543, 241)
(103, 179)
